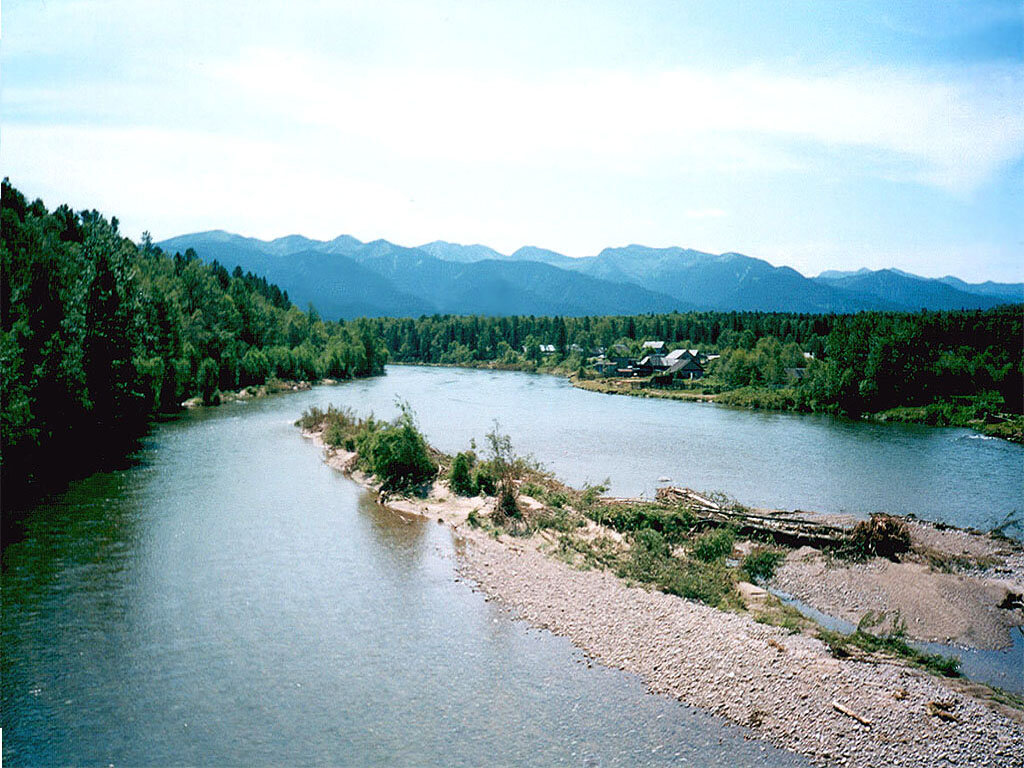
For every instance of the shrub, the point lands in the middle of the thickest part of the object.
(760, 564)
(647, 555)
(484, 480)
(714, 544)
(397, 453)
(460, 477)
(881, 535)
(673, 523)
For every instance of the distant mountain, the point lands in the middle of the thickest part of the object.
(346, 277)
(467, 254)
(1007, 292)
(913, 292)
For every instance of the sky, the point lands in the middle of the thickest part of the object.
(818, 135)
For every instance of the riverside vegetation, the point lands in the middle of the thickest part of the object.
(99, 335)
(963, 368)
(666, 546)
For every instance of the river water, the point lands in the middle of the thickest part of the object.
(230, 600)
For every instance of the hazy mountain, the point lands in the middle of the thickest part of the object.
(381, 278)
(728, 281)
(1008, 292)
(911, 291)
(439, 249)
(346, 277)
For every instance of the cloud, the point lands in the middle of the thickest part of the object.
(952, 130)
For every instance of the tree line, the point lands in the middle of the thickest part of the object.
(862, 363)
(100, 334)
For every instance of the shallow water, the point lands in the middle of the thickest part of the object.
(1003, 668)
(231, 600)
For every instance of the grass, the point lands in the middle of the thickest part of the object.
(892, 643)
(760, 565)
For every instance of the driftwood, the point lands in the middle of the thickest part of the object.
(850, 713)
(785, 530)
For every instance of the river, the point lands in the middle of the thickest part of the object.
(230, 600)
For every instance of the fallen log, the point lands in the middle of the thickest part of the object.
(785, 530)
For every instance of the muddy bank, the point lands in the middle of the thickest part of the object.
(786, 686)
(952, 586)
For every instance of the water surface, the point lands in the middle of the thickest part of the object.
(781, 460)
(231, 600)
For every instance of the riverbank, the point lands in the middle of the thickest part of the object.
(785, 684)
(1006, 427)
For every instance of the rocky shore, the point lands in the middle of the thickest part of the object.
(787, 688)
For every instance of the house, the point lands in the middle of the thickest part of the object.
(683, 354)
(686, 368)
(545, 349)
(649, 365)
(796, 374)
(606, 367)
(657, 347)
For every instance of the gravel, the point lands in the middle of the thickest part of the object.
(786, 690)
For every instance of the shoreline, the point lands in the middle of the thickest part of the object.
(1011, 431)
(866, 712)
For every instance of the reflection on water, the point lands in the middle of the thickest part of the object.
(231, 600)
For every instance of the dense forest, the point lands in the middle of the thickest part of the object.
(863, 363)
(100, 334)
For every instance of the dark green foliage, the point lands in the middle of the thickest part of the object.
(460, 478)
(714, 544)
(207, 378)
(396, 451)
(674, 523)
(484, 479)
(98, 334)
(760, 564)
(880, 536)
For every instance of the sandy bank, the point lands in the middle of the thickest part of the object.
(787, 688)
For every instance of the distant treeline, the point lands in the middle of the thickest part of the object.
(99, 334)
(867, 362)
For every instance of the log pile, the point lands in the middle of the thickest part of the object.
(794, 532)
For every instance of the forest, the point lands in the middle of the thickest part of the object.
(100, 335)
(951, 366)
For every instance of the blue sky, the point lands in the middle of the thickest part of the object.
(821, 135)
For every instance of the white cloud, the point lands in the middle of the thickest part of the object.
(953, 131)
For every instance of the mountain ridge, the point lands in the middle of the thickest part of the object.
(346, 277)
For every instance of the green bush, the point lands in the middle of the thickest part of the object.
(760, 564)
(397, 454)
(484, 479)
(207, 379)
(675, 524)
(460, 477)
(714, 544)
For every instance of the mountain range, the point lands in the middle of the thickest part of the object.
(347, 278)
